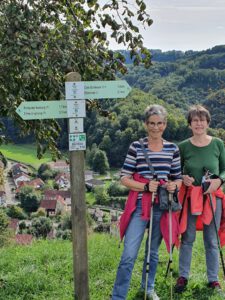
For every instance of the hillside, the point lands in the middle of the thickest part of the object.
(43, 271)
(176, 80)
(184, 78)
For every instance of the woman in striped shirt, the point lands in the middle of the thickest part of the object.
(135, 175)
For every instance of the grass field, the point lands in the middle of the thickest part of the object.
(25, 153)
(44, 271)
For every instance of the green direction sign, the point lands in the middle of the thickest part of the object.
(33, 110)
(97, 89)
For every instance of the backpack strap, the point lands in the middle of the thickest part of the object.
(147, 158)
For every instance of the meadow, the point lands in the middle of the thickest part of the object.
(26, 153)
(44, 271)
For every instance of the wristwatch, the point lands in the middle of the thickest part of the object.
(146, 187)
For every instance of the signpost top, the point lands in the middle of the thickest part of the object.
(76, 93)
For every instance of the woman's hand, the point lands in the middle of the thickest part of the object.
(187, 180)
(214, 185)
(153, 186)
(171, 186)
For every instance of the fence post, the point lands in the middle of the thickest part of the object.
(78, 215)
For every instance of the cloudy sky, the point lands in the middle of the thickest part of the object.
(185, 24)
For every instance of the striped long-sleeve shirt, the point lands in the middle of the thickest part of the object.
(165, 162)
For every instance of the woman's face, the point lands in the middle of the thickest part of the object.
(199, 125)
(155, 126)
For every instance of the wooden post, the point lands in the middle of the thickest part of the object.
(78, 214)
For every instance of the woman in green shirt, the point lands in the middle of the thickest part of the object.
(200, 152)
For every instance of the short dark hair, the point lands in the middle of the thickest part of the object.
(199, 111)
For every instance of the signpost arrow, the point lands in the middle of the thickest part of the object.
(33, 110)
(97, 89)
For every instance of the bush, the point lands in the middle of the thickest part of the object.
(118, 202)
(40, 227)
(16, 212)
(101, 196)
(116, 189)
(66, 222)
(64, 234)
(4, 232)
(29, 199)
(100, 162)
(22, 226)
(103, 227)
(39, 213)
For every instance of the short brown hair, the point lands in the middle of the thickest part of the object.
(199, 111)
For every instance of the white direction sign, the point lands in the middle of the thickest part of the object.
(38, 110)
(76, 108)
(97, 89)
(77, 141)
(76, 125)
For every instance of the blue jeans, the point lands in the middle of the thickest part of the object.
(210, 243)
(132, 242)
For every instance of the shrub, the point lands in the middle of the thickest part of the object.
(16, 212)
(116, 189)
(101, 196)
(40, 227)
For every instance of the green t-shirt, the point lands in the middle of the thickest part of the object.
(194, 159)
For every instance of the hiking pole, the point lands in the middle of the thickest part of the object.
(217, 235)
(149, 244)
(180, 216)
(171, 242)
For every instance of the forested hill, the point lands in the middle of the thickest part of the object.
(175, 80)
(127, 124)
(184, 78)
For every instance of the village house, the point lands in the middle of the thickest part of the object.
(54, 206)
(60, 165)
(63, 180)
(18, 169)
(20, 178)
(36, 183)
(52, 195)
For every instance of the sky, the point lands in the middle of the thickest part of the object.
(184, 24)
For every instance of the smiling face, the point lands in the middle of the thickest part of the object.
(199, 125)
(155, 126)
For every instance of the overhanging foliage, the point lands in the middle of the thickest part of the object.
(41, 41)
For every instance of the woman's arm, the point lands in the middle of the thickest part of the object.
(133, 185)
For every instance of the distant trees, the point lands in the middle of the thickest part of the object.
(16, 212)
(29, 199)
(45, 172)
(4, 232)
(40, 227)
(100, 162)
(64, 230)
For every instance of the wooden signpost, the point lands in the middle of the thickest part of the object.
(74, 110)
